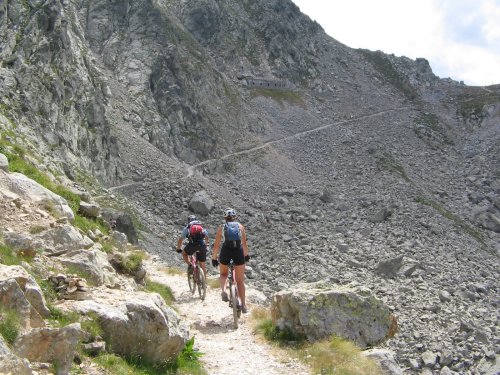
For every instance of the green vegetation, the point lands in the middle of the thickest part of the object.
(280, 96)
(338, 356)
(9, 257)
(35, 229)
(452, 217)
(62, 318)
(333, 356)
(427, 124)
(383, 65)
(18, 163)
(186, 363)
(474, 99)
(9, 325)
(133, 262)
(388, 163)
(164, 291)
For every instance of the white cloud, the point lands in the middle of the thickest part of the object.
(460, 38)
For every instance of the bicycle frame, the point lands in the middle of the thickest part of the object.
(197, 277)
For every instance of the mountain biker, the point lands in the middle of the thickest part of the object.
(198, 246)
(237, 250)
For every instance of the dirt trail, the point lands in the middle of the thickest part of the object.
(227, 351)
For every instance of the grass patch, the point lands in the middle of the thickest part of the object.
(9, 325)
(186, 363)
(338, 356)
(452, 217)
(427, 124)
(280, 96)
(133, 262)
(282, 337)
(213, 283)
(92, 324)
(164, 291)
(61, 318)
(333, 356)
(8, 256)
(473, 100)
(388, 163)
(35, 229)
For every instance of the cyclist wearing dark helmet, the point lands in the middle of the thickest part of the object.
(195, 245)
(233, 236)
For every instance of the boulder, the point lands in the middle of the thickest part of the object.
(32, 291)
(28, 189)
(386, 361)
(142, 325)
(201, 203)
(10, 363)
(390, 267)
(93, 264)
(326, 196)
(12, 298)
(65, 239)
(89, 209)
(120, 239)
(54, 345)
(20, 242)
(122, 222)
(319, 310)
(4, 162)
(381, 215)
(488, 220)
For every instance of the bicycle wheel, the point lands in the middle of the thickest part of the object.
(234, 302)
(191, 281)
(202, 283)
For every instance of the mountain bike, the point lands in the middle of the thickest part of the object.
(234, 301)
(196, 277)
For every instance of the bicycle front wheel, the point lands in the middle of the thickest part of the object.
(191, 280)
(234, 302)
(202, 283)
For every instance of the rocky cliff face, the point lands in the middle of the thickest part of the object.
(365, 163)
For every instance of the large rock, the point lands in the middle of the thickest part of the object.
(12, 298)
(28, 189)
(10, 363)
(201, 203)
(142, 325)
(54, 345)
(318, 310)
(4, 163)
(488, 219)
(32, 291)
(64, 239)
(93, 264)
(122, 222)
(386, 361)
(89, 209)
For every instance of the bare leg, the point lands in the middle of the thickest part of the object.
(185, 256)
(240, 282)
(204, 268)
(223, 277)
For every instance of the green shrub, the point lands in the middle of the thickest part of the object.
(282, 337)
(9, 325)
(35, 229)
(161, 289)
(186, 363)
(133, 262)
(9, 257)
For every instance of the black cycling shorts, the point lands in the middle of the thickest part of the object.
(192, 248)
(235, 253)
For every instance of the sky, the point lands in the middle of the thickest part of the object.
(459, 38)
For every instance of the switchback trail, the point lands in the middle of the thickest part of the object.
(226, 351)
(192, 168)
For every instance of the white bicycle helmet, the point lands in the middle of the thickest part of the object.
(229, 212)
(191, 218)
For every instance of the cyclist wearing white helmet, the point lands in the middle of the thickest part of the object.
(233, 236)
(197, 244)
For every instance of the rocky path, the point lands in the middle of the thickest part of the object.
(227, 351)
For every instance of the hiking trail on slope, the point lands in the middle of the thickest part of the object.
(226, 351)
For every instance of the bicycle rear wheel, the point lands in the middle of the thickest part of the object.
(202, 283)
(191, 281)
(234, 302)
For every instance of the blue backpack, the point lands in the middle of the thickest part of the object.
(232, 233)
